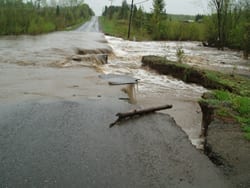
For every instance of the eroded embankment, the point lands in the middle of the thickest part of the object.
(224, 112)
(208, 79)
(225, 144)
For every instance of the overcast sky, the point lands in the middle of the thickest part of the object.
(191, 7)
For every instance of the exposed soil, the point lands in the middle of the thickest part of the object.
(224, 143)
(187, 74)
(226, 146)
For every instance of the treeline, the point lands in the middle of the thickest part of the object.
(35, 17)
(228, 25)
(156, 25)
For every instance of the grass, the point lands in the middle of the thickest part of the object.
(230, 95)
(171, 30)
(239, 85)
(119, 28)
(232, 107)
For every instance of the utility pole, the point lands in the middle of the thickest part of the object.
(130, 18)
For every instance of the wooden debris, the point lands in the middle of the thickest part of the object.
(127, 115)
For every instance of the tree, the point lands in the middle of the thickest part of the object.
(123, 14)
(231, 22)
(246, 36)
(221, 7)
(139, 18)
(158, 12)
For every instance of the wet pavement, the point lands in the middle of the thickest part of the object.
(55, 113)
(90, 26)
(69, 144)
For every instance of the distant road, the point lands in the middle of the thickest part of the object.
(90, 26)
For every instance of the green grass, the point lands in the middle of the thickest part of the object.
(232, 107)
(119, 28)
(230, 95)
(247, 132)
(239, 85)
(171, 30)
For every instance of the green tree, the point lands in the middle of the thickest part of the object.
(221, 7)
(157, 18)
(23, 17)
(139, 18)
(124, 11)
(246, 28)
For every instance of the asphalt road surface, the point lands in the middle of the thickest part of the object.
(59, 138)
(70, 144)
(90, 26)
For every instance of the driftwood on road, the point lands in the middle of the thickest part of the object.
(126, 115)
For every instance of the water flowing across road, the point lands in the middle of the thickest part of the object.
(25, 54)
(155, 89)
(55, 111)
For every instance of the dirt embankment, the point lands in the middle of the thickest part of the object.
(183, 72)
(224, 143)
(226, 146)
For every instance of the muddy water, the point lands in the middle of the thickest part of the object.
(37, 67)
(41, 66)
(55, 50)
(154, 89)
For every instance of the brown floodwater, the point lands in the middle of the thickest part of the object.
(50, 66)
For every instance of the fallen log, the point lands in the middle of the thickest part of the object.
(126, 115)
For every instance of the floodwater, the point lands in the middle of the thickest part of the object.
(54, 50)
(45, 65)
(155, 89)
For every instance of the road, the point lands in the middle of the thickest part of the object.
(91, 26)
(57, 134)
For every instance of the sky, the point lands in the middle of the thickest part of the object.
(190, 7)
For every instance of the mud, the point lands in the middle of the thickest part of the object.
(226, 146)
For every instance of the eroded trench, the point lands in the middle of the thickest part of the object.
(72, 51)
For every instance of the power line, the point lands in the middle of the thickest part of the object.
(141, 2)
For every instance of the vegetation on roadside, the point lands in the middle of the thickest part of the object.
(227, 26)
(180, 54)
(231, 107)
(144, 27)
(35, 17)
(119, 28)
(231, 94)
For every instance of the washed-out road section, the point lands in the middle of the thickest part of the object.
(54, 128)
